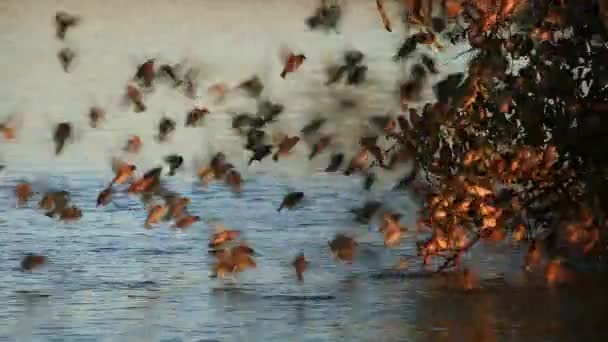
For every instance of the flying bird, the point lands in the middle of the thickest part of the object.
(63, 132)
(63, 21)
(300, 264)
(292, 62)
(291, 200)
(385, 21)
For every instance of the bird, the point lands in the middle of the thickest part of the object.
(260, 152)
(66, 56)
(300, 264)
(343, 247)
(104, 197)
(122, 170)
(285, 146)
(269, 111)
(166, 126)
(176, 206)
(357, 75)
(218, 91)
(418, 72)
(136, 96)
(71, 213)
(175, 161)
(63, 132)
(235, 259)
(335, 73)
(292, 63)
(187, 221)
(63, 21)
(353, 57)
(234, 180)
(146, 181)
(430, 64)
(370, 178)
(253, 86)
(326, 16)
(391, 228)
(23, 192)
(145, 73)
(320, 146)
(96, 115)
(155, 214)
(241, 120)
(9, 127)
(313, 126)
(169, 71)
(358, 161)
(218, 163)
(410, 91)
(291, 200)
(133, 145)
(54, 202)
(195, 116)
(32, 261)
(334, 162)
(406, 49)
(222, 236)
(385, 21)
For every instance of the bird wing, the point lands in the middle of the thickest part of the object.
(290, 142)
(385, 20)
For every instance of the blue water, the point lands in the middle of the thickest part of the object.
(109, 279)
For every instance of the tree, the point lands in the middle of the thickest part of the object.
(518, 152)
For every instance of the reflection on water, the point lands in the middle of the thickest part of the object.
(505, 313)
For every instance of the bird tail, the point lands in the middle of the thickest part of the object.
(59, 146)
(300, 277)
(250, 161)
(275, 157)
(280, 208)
(284, 73)
(313, 153)
(140, 107)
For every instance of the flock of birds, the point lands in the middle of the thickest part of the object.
(231, 254)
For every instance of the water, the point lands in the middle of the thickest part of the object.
(109, 279)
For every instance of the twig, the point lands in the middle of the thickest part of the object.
(450, 261)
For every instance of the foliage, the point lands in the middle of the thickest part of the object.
(518, 152)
